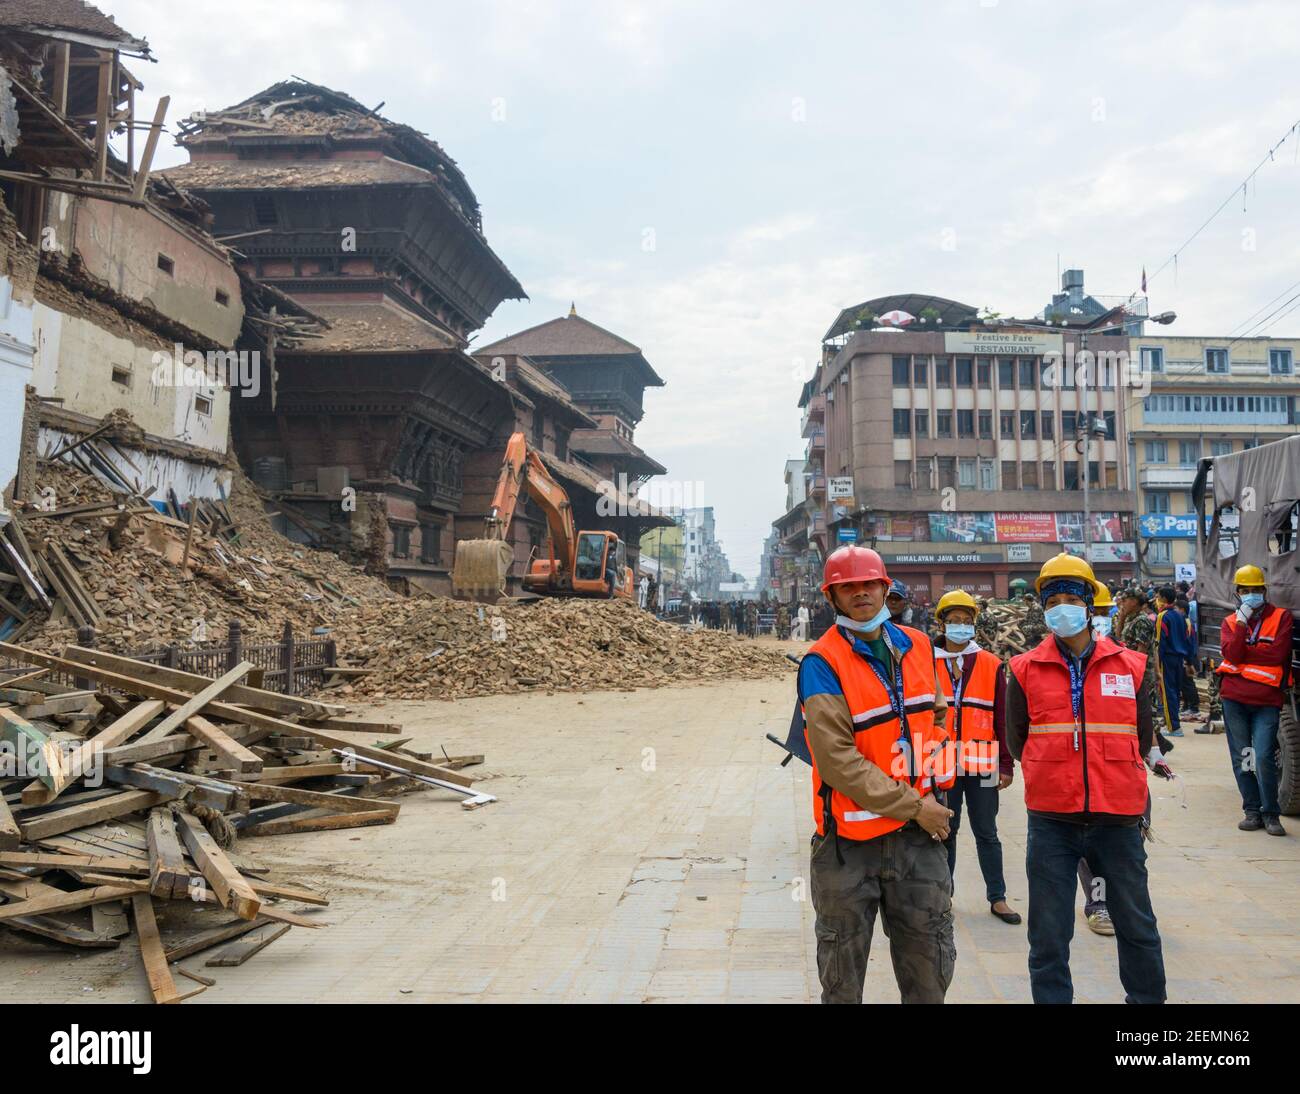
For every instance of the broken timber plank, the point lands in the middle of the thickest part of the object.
(109, 920)
(169, 876)
(32, 748)
(230, 751)
(288, 825)
(59, 821)
(195, 704)
(10, 836)
(238, 952)
(65, 902)
(227, 882)
(214, 936)
(107, 863)
(161, 983)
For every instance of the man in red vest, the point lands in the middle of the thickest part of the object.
(1079, 722)
(1256, 645)
(873, 717)
(974, 688)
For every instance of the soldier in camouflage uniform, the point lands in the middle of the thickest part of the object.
(1035, 626)
(1136, 629)
(986, 630)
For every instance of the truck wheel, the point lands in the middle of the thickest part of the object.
(1288, 748)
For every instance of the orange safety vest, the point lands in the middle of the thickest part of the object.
(915, 756)
(970, 712)
(1272, 675)
(1092, 765)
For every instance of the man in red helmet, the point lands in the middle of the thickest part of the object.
(873, 720)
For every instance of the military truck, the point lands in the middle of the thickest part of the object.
(1252, 502)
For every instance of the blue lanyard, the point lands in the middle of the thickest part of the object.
(958, 681)
(1076, 686)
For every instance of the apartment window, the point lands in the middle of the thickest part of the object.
(223, 298)
(1188, 453)
(943, 423)
(1028, 424)
(203, 405)
(965, 372)
(988, 475)
(1216, 360)
(1279, 362)
(943, 373)
(919, 369)
(900, 372)
(984, 372)
(1158, 552)
(922, 423)
(947, 471)
(903, 474)
(1047, 373)
(1157, 451)
(1070, 475)
(1189, 502)
(1009, 479)
(1069, 424)
(965, 423)
(1048, 479)
(401, 540)
(122, 375)
(1220, 448)
(1108, 416)
(1027, 375)
(1007, 423)
(966, 474)
(167, 265)
(1112, 475)
(902, 422)
(1006, 373)
(430, 543)
(986, 423)
(1153, 359)
(1094, 473)
(1046, 425)
(1029, 475)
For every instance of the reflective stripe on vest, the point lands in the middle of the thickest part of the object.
(1271, 675)
(973, 735)
(876, 731)
(1101, 770)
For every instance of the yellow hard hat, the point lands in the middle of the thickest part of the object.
(955, 598)
(1249, 575)
(1102, 598)
(1064, 565)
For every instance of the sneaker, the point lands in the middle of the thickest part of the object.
(1099, 922)
(1274, 827)
(1251, 822)
(1204, 729)
(1173, 732)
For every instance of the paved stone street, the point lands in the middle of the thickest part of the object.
(647, 847)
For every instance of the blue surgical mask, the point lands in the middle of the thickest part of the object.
(1101, 626)
(1251, 601)
(870, 625)
(1066, 620)
(959, 632)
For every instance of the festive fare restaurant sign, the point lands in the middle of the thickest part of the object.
(1003, 343)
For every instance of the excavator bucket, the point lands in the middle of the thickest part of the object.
(481, 568)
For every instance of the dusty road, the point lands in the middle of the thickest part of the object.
(646, 847)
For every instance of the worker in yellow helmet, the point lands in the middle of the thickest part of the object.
(1078, 717)
(974, 685)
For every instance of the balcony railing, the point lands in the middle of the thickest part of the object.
(816, 484)
(1173, 478)
(813, 413)
(816, 443)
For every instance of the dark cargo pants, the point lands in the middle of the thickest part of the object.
(904, 875)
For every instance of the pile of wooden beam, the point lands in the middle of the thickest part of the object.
(129, 786)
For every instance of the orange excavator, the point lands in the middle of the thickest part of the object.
(577, 564)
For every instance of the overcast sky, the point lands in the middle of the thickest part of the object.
(714, 181)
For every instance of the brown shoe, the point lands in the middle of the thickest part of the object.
(1251, 822)
(1274, 827)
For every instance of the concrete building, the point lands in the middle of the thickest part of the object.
(1208, 397)
(952, 445)
(705, 563)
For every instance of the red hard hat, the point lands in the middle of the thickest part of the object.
(852, 563)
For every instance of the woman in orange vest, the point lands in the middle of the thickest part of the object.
(1079, 721)
(1256, 645)
(873, 719)
(974, 686)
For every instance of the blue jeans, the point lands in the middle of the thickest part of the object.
(1255, 728)
(982, 804)
(1116, 854)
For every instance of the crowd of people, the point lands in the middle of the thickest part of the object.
(908, 720)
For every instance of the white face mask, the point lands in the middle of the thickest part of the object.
(869, 625)
(1101, 626)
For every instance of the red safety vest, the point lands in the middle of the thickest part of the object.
(1271, 675)
(877, 732)
(970, 715)
(1089, 766)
